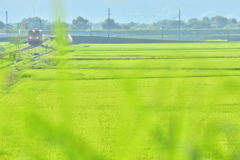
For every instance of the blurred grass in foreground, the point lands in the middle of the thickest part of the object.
(168, 109)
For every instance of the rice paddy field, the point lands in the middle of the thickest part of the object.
(121, 102)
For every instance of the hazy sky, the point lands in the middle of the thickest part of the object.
(122, 10)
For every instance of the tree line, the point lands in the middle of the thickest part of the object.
(80, 23)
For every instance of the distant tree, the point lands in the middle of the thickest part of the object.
(2, 25)
(219, 21)
(171, 24)
(32, 23)
(233, 21)
(48, 26)
(60, 25)
(81, 23)
(125, 26)
(199, 24)
(194, 23)
(132, 25)
(206, 20)
(110, 24)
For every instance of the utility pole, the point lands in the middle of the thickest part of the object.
(162, 32)
(109, 13)
(179, 24)
(108, 21)
(6, 20)
(90, 30)
(40, 24)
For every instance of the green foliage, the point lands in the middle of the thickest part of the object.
(196, 23)
(81, 23)
(220, 22)
(33, 23)
(169, 24)
(2, 25)
(110, 24)
(204, 23)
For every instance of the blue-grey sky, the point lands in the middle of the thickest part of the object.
(122, 10)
